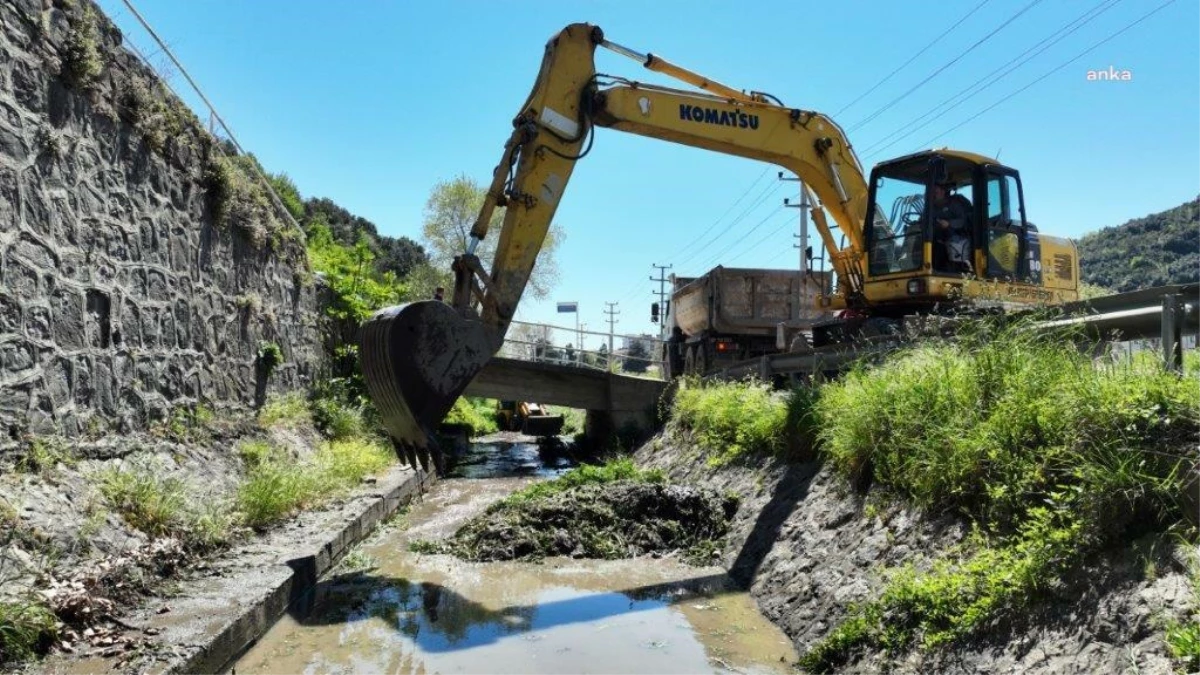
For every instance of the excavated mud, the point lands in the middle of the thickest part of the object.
(608, 521)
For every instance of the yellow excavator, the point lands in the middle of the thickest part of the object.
(924, 232)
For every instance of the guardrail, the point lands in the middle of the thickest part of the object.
(564, 345)
(1167, 313)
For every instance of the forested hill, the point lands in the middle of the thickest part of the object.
(1158, 249)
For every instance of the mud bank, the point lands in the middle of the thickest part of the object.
(614, 520)
(808, 546)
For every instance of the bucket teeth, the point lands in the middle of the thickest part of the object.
(418, 457)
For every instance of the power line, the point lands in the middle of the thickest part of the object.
(726, 213)
(213, 111)
(726, 253)
(942, 109)
(762, 197)
(1048, 74)
(762, 241)
(631, 290)
(914, 58)
(953, 61)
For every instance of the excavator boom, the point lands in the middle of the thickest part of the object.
(419, 358)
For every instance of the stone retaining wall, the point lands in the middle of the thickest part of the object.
(124, 292)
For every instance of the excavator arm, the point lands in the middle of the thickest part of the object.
(419, 358)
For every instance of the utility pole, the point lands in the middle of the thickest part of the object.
(803, 236)
(611, 320)
(662, 292)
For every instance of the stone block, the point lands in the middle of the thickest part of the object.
(10, 315)
(84, 393)
(37, 323)
(34, 251)
(68, 318)
(17, 357)
(21, 279)
(157, 286)
(58, 380)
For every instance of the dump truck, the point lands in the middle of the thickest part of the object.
(731, 314)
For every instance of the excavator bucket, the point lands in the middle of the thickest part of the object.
(417, 360)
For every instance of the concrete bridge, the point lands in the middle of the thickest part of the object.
(613, 401)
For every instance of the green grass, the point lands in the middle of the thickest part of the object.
(27, 627)
(163, 506)
(733, 420)
(43, 455)
(1183, 642)
(277, 485)
(289, 411)
(1050, 456)
(147, 501)
(574, 419)
(478, 414)
(991, 427)
(611, 471)
(956, 596)
(338, 419)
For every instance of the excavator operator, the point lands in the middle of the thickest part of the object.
(951, 215)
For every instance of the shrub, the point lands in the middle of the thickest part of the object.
(733, 419)
(339, 419)
(477, 414)
(238, 199)
(27, 627)
(270, 356)
(288, 410)
(1051, 455)
(81, 60)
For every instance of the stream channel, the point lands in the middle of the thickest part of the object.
(419, 613)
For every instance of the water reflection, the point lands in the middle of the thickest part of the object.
(547, 458)
(438, 619)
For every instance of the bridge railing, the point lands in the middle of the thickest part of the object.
(639, 355)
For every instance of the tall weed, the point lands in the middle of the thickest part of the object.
(732, 420)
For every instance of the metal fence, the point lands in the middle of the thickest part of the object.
(545, 343)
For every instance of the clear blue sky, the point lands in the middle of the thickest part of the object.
(372, 103)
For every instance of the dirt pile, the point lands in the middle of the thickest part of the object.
(613, 520)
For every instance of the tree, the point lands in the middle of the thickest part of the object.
(399, 255)
(450, 213)
(637, 360)
(424, 279)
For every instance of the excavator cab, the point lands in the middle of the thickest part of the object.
(939, 217)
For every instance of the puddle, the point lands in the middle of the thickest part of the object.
(417, 613)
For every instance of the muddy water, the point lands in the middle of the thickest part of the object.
(418, 613)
